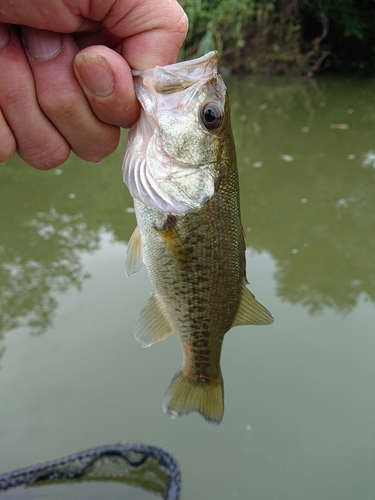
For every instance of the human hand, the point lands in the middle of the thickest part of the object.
(66, 81)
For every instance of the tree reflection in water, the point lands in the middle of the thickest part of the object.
(315, 213)
(49, 219)
(49, 263)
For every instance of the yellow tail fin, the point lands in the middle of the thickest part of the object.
(187, 394)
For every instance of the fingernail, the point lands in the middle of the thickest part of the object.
(4, 35)
(94, 73)
(41, 44)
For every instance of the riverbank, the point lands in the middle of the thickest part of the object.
(283, 36)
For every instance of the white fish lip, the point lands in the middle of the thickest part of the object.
(186, 66)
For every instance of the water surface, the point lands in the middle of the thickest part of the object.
(299, 394)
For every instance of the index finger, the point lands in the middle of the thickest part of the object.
(152, 31)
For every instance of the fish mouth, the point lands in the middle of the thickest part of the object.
(190, 65)
(179, 76)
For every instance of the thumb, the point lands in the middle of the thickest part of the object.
(107, 82)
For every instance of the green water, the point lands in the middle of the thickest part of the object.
(299, 417)
(79, 491)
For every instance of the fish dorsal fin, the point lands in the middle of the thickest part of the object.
(134, 253)
(152, 324)
(250, 311)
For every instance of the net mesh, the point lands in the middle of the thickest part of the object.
(147, 467)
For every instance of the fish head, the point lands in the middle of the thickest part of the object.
(172, 161)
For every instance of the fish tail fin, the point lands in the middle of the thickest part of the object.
(187, 394)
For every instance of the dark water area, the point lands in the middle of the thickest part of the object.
(299, 395)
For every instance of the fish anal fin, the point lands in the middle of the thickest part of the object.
(152, 325)
(172, 240)
(251, 312)
(186, 394)
(134, 253)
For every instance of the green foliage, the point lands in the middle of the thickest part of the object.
(350, 37)
(221, 24)
(306, 32)
(344, 13)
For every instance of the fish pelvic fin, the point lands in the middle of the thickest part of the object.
(251, 312)
(187, 394)
(152, 325)
(134, 253)
(173, 242)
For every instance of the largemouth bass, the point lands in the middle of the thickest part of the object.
(180, 167)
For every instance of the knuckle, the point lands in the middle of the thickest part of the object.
(124, 115)
(48, 157)
(16, 98)
(8, 146)
(100, 148)
(57, 104)
(182, 24)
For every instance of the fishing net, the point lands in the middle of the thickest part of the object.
(123, 471)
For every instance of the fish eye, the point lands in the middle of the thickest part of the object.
(212, 116)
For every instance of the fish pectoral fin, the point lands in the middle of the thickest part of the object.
(186, 394)
(134, 253)
(173, 242)
(251, 312)
(152, 324)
